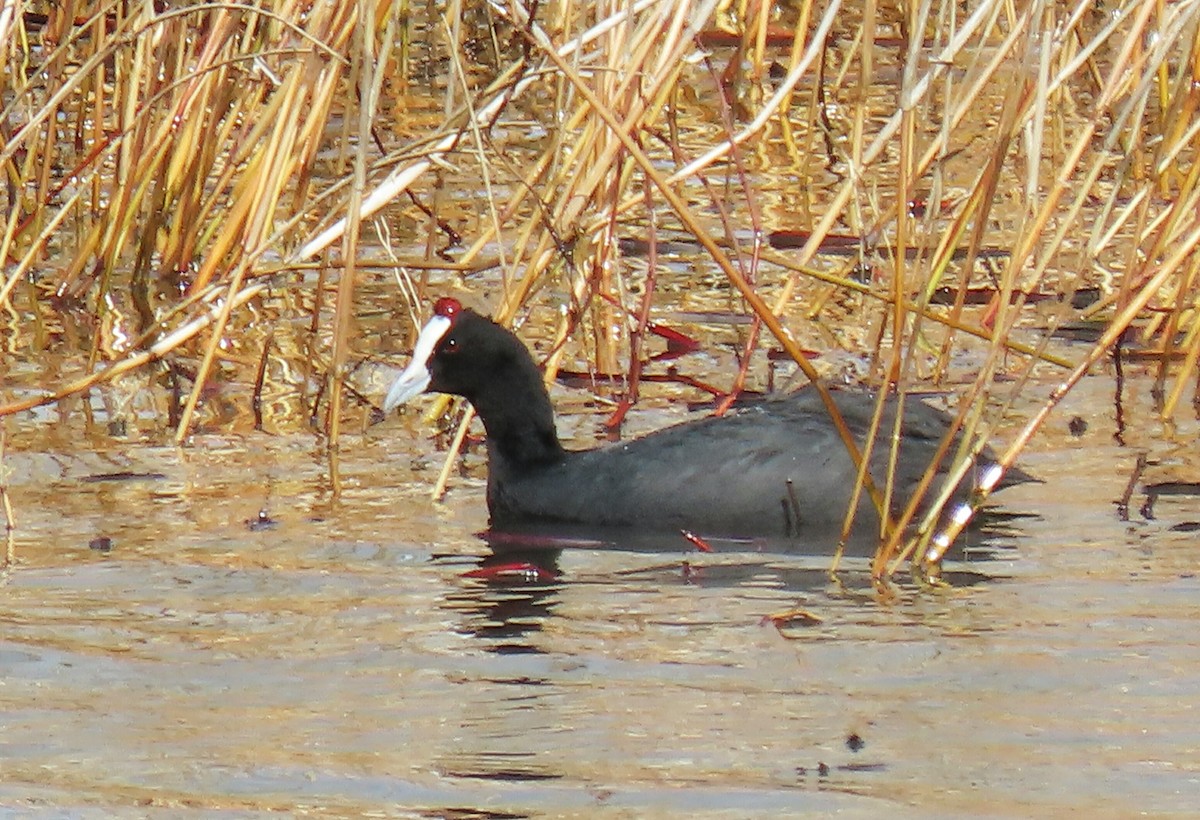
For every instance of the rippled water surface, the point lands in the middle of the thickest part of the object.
(347, 657)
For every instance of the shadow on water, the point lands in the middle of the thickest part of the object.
(992, 535)
(513, 590)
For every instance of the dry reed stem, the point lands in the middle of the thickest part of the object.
(1008, 277)
(932, 560)
(146, 151)
(10, 521)
(485, 116)
(163, 346)
(278, 156)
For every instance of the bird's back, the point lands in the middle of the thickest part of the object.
(775, 468)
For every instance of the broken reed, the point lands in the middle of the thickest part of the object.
(216, 147)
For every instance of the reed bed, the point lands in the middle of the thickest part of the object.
(904, 181)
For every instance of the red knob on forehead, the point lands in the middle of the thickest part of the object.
(447, 306)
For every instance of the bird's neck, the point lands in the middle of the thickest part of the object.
(520, 433)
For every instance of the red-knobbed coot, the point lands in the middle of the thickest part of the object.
(776, 468)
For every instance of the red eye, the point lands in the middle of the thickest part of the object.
(450, 345)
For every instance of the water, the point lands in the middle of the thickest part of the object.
(346, 659)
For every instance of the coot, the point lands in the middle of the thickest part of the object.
(775, 468)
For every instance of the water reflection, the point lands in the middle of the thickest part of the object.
(507, 596)
(510, 595)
